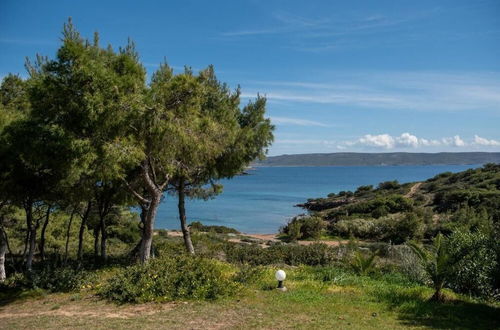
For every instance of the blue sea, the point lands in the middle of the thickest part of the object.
(264, 200)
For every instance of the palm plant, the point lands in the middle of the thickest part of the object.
(363, 265)
(438, 263)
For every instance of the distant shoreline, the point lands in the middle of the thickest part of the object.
(348, 159)
(398, 165)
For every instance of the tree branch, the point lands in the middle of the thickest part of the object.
(141, 199)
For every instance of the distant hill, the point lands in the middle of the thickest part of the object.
(377, 159)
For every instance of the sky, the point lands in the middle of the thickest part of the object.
(339, 76)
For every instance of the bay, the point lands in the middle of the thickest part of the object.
(264, 200)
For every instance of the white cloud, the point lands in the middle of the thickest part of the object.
(296, 121)
(485, 142)
(458, 142)
(405, 91)
(387, 141)
(408, 140)
(382, 140)
(455, 141)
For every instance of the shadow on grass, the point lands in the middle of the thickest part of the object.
(10, 295)
(415, 309)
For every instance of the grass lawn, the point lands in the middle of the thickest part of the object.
(314, 300)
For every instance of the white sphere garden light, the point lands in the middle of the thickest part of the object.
(280, 277)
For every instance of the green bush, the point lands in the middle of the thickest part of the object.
(250, 274)
(363, 265)
(389, 185)
(312, 255)
(395, 228)
(64, 279)
(164, 279)
(344, 193)
(402, 228)
(360, 228)
(362, 190)
(304, 227)
(198, 226)
(475, 271)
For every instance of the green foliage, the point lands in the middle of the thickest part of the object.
(379, 206)
(359, 228)
(439, 263)
(198, 226)
(478, 189)
(345, 193)
(250, 274)
(165, 279)
(290, 254)
(363, 265)
(54, 279)
(389, 185)
(477, 263)
(395, 228)
(468, 200)
(304, 227)
(362, 190)
(124, 225)
(401, 229)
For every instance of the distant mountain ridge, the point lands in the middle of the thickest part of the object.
(381, 159)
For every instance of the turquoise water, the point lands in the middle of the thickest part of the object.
(264, 200)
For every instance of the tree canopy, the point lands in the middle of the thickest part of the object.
(87, 134)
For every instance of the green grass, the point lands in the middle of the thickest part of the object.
(317, 298)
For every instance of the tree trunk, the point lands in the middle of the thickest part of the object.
(68, 230)
(438, 295)
(82, 230)
(149, 221)
(32, 235)
(26, 243)
(3, 250)
(96, 243)
(42, 236)
(182, 216)
(104, 237)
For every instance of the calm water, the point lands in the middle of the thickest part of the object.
(264, 200)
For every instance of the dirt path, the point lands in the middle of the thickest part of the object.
(90, 307)
(413, 189)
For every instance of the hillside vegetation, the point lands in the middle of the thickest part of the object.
(449, 282)
(393, 211)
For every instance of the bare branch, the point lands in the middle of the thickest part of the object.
(141, 199)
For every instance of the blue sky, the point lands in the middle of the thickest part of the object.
(372, 76)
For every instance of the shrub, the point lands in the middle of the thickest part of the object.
(304, 227)
(312, 255)
(401, 228)
(475, 271)
(198, 226)
(363, 190)
(407, 263)
(53, 279)
(388, 185)
(250, 274)
(363, 265)
(163, 279)
(360, 228)
(438, 262)
(344, 193)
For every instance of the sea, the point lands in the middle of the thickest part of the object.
(264, 199)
